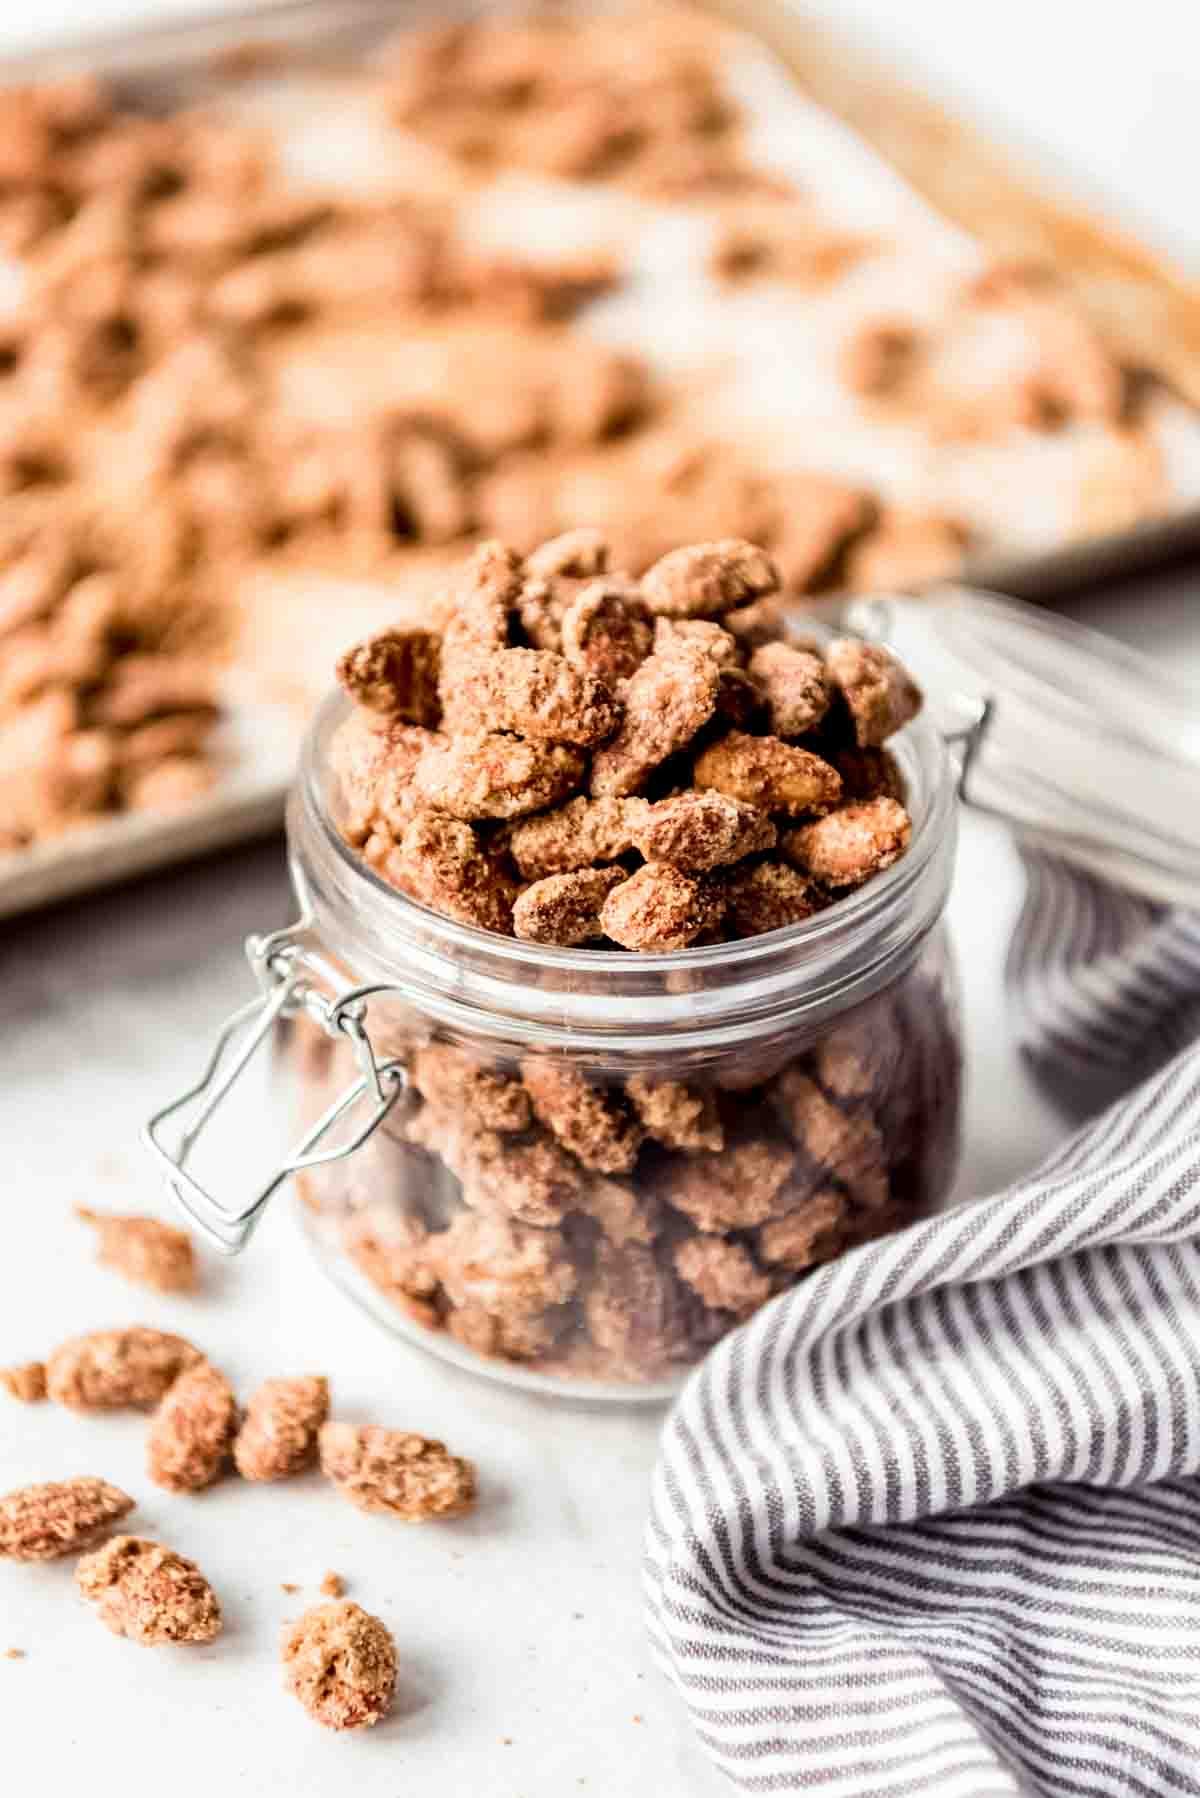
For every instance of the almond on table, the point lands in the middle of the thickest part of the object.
(59, 1517)
(279, 1435)
(25, 1382)
(148, 1593)
(191, 1434)
(396, 1472)
(111, 1370)
(143, 1249)
(340, 1662)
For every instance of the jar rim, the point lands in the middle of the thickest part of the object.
(874, 929)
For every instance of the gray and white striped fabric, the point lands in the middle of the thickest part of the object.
(1104, 986)
(930, 1524)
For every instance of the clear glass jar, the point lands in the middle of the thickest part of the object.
(602, 1161)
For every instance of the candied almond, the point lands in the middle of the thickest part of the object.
(532, 692)
(340, 1662)
(850, 843)
(26, 1381)
(453, 1079)
(565, 908)
(531, 1178)
(483, 595)
(732, 1190)
(191, 1434)
(696, 831)
(661, 908)
(718, 644)
(144, 1250)
(579, 553)
(279, 1435)
(594, 1125)
(703, 580)
(375, 759)
(576, 836)
(395, 672)
(675, 1114)
(148, 1593)
(396, 1472)
(879, 693)
(850, 1146)
(487, 774)
(723, 1273)
(110, 1370)
(869, 774)
(504, 1267)
(439, 861)
(667, 701)
(768, 896)
(624, 1214)
(636, 1310)
(796, 688)
(768, 773)
(807, 1233)
(606, 630)
(40, 1523)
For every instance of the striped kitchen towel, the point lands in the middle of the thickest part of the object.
(930, 1523)
(1104, 986)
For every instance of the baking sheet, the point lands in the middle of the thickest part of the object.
(155, 66)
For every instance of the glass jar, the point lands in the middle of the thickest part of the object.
(576, 1169)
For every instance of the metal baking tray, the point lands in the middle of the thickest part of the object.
(159, 65)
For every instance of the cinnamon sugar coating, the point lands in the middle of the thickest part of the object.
(675, 1114)
(768, 895)
(723, 1273)
(395, 672)
(850, 843)
(576, 836)
(849, 1146)
(529, 1178)
(699, 830)
(450, 1078)
(110, 1370)
(768, 773)
(41, 1523)
(531, 692)
(279, 1435)
(732, 1190)
(440, 861)
(661, 908)
(148, 1593)
(808, 1233)
(597, 1127)
(25, 1382)
(880, 696)
(143, 1250)
(487, 774)
(607, 630)
(396, 1472)
(797, 690)
(191, 1435)
(579, 553)
(340, 1662)
(669, 699)
(504, 1268)
(705, 580)
(565, 908)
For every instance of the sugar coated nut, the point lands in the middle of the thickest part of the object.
(40, 1523)
(453, 1079)
(723, 1273)
(705, 580)
(439, 861)
(148, 1593)
(670, 698)
(660, 908)
(696, 831)
(488, 774)
(503, 1267)
(395, 672)
(851, 843)
(144, 1250)
(768, 773)
(396, 1472)
(531, 692)
(806, 1234)
(279, 1435)
(25, 1382)
(580, 553)
(797, 690)
(733, 1190)
(576, 836)
(340, 1662)
(675, 1114)
(607, 631)
(110, 1370)
(597, 1127)
(191, 1435)
(768, 895)
(565, 908)
(879, 693)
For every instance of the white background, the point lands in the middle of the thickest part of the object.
(522, 1622)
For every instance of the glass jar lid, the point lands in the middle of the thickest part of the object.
(1091, 751)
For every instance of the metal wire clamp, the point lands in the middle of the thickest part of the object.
(289, 986)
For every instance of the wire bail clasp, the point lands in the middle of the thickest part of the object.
(290, 986)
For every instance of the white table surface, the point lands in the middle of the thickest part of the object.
(523, 1668)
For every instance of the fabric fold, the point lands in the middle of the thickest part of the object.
(926, 1523)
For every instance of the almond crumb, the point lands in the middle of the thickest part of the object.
(26, 1381)
(333, 1585)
